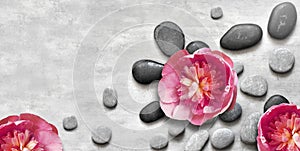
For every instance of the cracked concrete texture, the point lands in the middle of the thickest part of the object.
(40, 40)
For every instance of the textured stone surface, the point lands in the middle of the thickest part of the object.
(159, 141)
(197, 141)
(110, 97)
(238, 67)
(282, 20)
(241, 36)
(274, 100)
(248, 131)
(169, 37)
(254, 85)
(281, 60)
(70, 123)
(151, 112)
(101, 135)
(195, 45)
(232, 115)
(216, 13)
(222, 138)
(146, 71)
(177, 127)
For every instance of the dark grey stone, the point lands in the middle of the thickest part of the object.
(101, 135)
(241, 36)
(255, 85)
(282, 20)
(216, 13)
(151, 112)
(197, 141)
(281, 60)
(232, 115)
(70, 123)
(169, 37)
(222, 138)
(146, 71)
(110, 98)
(159, 141)
(274, 100)
(176, 127)
(248, 131)
(195, 45)
(238, 67)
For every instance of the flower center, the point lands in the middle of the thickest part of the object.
(19, 141)
(196, 82)
(284, 132)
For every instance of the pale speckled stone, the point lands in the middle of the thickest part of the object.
(159, 141)
(249, 128)
(197, 141)
(281, 60)
(222, 138)
(254, 85)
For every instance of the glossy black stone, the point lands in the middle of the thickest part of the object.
(282, 20)
(274, 100)
(232, 115)
(146, 71)
(241, 36)
(169, 37)
(195, 45)
(151, 112)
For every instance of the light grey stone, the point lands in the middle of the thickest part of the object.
(238, 67)
(197, 141)
(222, 138)
(254, 85)
(70, 123)
(159, 141)
(216, 13)
(232, 115)
(110, 98)
(281, 60)
(176, 127)
(101, 135)
(248, 131)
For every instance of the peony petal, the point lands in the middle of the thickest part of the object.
(168, 108)
(48, 140)
(39, 123)
(176, 62)
(296, 139)
(197, 119)
(5, 128)
(167, 88)
(202, 51)
(182, 112)
(12, 118)
(225, 57)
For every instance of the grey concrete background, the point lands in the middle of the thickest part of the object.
(40, 47)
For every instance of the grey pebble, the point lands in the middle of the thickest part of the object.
(281, 60)
(232, 115)
(275, 100)
(216, 13)
(110, 97)
(254, 85)
(169, 37)
(101, 135)
(222, 138)
(282, 20)
(248, 131)
(159, 141)
(241, 36)
(195, 45)
(197, 141)
(238, 67)
(176, 127)
(151, 112)
(146, 71)
(70, 123)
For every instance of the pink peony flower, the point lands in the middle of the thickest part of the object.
(197, 87)
(28, 132)
(279, 129)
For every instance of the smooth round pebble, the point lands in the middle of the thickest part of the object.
(159, 141)
(110, 98)
(151, 112)
(101, 135)
(248, 131)
(197, 141)
(169, 37)
(146, 71)
(70, 123)
(281, 60)
(232, 115)
(216, 13)
(254, 85)
(238, 67)
(274, 100)
(176, 127)
(195, 45)
(222, 138)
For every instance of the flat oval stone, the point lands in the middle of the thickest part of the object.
(241, 36)
(282, 20)
(70, 123)
(110, 97)
(101, 135)
(238, 67)
(195, 45)
(176, 127)
(146, 71)
(281, 60)
(197, 141)
(274, 100)
(169, 37)
(159, 141)
(248, 131)
(232, 115)
(222, 138)
(151, 112)
(255, 85)
(216, 13)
